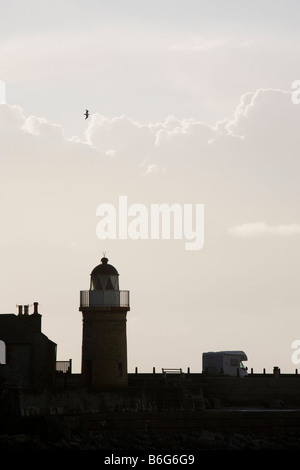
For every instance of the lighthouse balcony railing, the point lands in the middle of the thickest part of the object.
(104, 298)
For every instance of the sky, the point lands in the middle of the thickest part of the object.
(191, 103)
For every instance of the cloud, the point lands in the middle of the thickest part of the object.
(262, 136)
(202, 44)
(2, 92)
(266, 116)
(259, 229)
(198, 44)
(120, 137)
(252, 155)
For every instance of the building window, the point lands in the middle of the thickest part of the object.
(2, 352)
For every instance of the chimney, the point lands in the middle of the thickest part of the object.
(34, 320)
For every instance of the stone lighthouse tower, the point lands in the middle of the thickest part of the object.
(104, 346)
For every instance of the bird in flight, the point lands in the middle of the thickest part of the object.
(86, 114)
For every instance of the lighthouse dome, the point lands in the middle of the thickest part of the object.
(104, 277)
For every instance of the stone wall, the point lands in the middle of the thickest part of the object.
(271, 422)
(259, 390)
(160, 403)
(165, 423)
(129, 399)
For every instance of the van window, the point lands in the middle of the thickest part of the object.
(234, 362)
(2, 352)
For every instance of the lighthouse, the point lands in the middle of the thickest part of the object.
(104, 340)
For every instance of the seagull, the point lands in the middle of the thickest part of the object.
(86, 114)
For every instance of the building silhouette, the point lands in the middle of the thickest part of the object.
(28, 356)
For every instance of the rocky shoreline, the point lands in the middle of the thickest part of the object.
(195, 441)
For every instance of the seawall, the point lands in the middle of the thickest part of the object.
(155, 403)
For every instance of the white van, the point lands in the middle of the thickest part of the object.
(224, 362)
